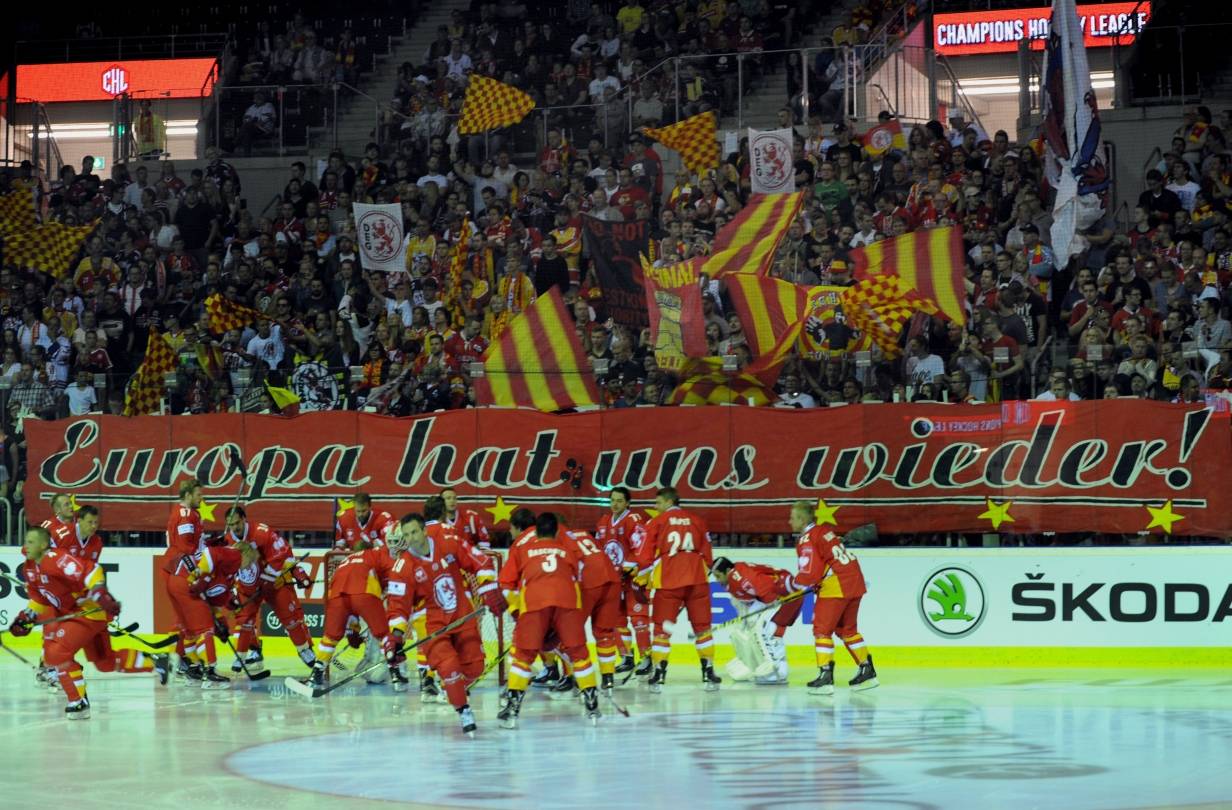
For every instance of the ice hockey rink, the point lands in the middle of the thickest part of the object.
(1028, 738)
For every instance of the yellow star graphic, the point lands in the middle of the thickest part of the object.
(998, 513)
(824, 513)
(501, 511)
(343, 505)
(1163, 517)
(654, 513)
(206, 510)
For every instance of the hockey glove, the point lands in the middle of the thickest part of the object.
(495, 601)
(23, 622)
(103, 598)
(393, 649)
(221, 630)
(301, 578)
(355, 638)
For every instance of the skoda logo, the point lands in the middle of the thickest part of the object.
(952, 602)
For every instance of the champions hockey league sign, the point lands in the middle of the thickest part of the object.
(1119, 467)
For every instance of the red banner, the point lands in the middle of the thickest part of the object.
(1114, 466)
(103, 81)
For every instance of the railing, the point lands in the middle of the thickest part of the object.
(29, 137)
(92, 49)
(957, 97)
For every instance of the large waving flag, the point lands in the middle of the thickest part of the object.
(772, 312)
(929, 263)
(17, 210)
(827, 331)
(748, 243)
(674, 301)
(879, 308)
(146, 388)
(704, 382)
(538, 362)
(490, 104)
(696, 139)
(885, 137)
(1071, 127)
(225, 315)
(49, 248)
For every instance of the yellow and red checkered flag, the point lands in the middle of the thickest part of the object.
(931, 264)
(49, 248)
(696, 139)
(704, 382)
(748, 243)
(146, 388)
(538, 361)
(226, 315)
(490, 104)
(17, 211)
(879, 308)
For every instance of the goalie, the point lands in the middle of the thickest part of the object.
(761, 655)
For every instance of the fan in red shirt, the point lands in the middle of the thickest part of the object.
(835, 572)
(675, 559)
(468, 345)
(361, 526)
(430, 576)
(466, 522)
(356, 589)
(620, 534)
(540, 578)
(193, 620)
(273, 584)
(60, 584)
(763, 660)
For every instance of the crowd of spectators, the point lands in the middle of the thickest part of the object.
(1142, 312)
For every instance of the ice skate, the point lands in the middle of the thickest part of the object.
(212, 680)
(657, 678)
(866, 676)
(508, 715)
(467, 718)
(823, 684)
(77, 710)
(710, 678)
(590, 697)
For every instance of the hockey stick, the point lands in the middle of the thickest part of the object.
(307, 690)
(117, 632)
(623, 711)
(260, 676)
(494, 663)
(775, 605)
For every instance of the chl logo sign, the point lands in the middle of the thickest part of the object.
(115, 80)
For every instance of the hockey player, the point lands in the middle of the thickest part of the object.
(600, 581)
(674, 560)
(358, 528)
(356, 590)
(83, 539)
(465, 522)
(620, 535)
(60, 525)
(76, 534)
(761, 655)
(276, 576)
(827, 565)
(361, 526)
(540, 579)
(435, 579)
(60, 584)
(193, 621)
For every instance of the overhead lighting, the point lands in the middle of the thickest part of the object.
(1009, 85)
(177, 128)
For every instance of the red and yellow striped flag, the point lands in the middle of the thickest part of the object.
(490, 104)
(748, 243)
(538, 362)
(704, 382)
(226, 315)
(146, 388)
(929, 263)
(771, 312)
(696, 139)
(879, 308)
